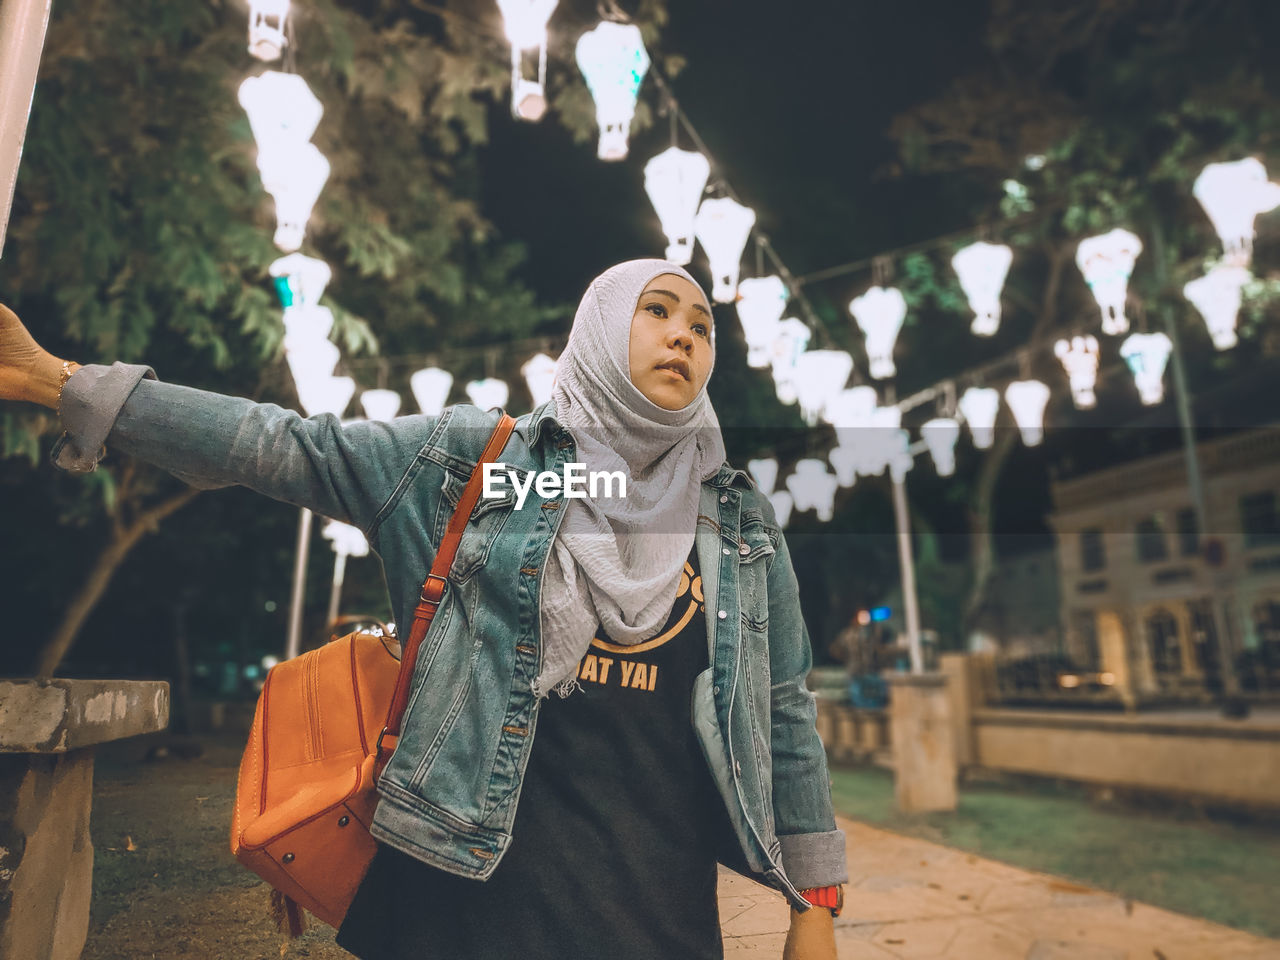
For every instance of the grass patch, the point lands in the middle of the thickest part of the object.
(1225, 872)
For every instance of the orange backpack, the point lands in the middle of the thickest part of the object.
(325, 725)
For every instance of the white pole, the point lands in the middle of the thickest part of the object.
(293, 644)
(335, 594)
(22, 28)
(907, 565)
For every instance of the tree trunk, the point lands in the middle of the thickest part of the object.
(123, 539)
(981, 505)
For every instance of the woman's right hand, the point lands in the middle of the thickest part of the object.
(28, 372)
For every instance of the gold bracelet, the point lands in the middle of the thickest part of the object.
(62, 382)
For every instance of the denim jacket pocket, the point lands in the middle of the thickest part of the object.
(755, 553)
(483, 526)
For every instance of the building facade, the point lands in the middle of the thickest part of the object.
(1152, 598)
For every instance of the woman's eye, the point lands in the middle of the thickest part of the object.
(701, 329)
(657, 309)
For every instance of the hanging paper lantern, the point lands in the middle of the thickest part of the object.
(1147, 354)
(813, 488)
(324, 394)
(722, 227)
(539, 373)
(845, 462)
(1079, 357)
(380, 404)
(1217, 296)
(1107, 263)
(789, 343)
(431, 387)
(300, 280)
(1027, 399)
(880, 441)
(487, 393)
(345, 539)
(982, 269)
(613, 60)
(266, 28)
(306, 323)
(1233, 194)
(941, 435)
(294, 176)
(761, 301)
(525, 23)
(819, 376)
(764, 473)
(979, 406)
(282, 109)
(674, 181)
(879, 313)
(900, 459)
(782, 503)
(311, 357)
(850, 408)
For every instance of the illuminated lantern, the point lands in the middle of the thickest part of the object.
(900, 459)
(282, 109)
(294, 177)
(764, 473)
(1079, 357)
(982, 269)
(613, 60)
(1107, 263)
(760, 304)
(380, 404)
(1027, 399)
(539, 373)
(813, 488)
(819, 376)
(881, 440)
(850, 408)
(879, 313)
(300, 280)
(431, 387)
(307, 323)
(941, 435)
(790, 342)
(674, 181)
(525, 23)
(844, 460)
(324, 394)
(1147, 354)
(266, 28)
(722, 227)
(311, 357)
(782, 503)
(487, 393)
(1217, 296)
(1233, 194)
(345, 539)
(979, 406)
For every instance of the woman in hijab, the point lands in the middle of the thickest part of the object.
(665, 621)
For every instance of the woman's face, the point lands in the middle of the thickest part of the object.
(670, 353)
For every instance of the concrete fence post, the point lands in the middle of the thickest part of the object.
(924, 750)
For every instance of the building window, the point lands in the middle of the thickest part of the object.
(1162, 643)
(1259, 520)
(1152, 547)
(1093, 555)
(1188, 533)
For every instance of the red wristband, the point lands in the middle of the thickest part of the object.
(830, 897)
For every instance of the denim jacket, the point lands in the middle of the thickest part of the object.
(448, 796)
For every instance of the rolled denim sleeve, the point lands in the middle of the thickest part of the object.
(347, 472)
(813, 848)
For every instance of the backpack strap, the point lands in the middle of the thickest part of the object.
(433, 587)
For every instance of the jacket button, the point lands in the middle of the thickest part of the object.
(715, 690)
(722, 614)
(724, 498)
(743, 549)
(727, 551)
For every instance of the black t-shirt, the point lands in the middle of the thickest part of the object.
(614, 845)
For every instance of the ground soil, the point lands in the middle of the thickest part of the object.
(165, 883)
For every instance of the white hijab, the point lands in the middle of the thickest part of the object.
(616, 562)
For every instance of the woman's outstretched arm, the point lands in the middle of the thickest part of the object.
(348, 472)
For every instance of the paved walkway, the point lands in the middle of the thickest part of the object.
(915, 900)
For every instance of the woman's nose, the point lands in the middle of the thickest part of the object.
(680, 339)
